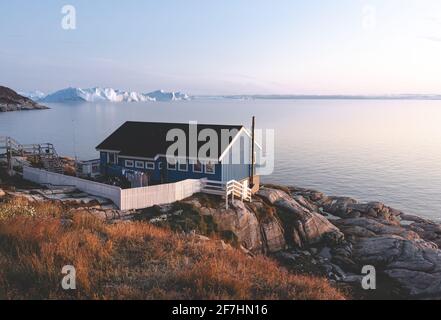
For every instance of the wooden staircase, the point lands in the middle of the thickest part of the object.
(45, 152)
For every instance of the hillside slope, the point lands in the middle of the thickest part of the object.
(131, 260)
(12, 101)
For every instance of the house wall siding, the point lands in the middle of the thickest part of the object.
(103, 162)
(238, 167)
(168, 175)
(176, 175)
(235, 172)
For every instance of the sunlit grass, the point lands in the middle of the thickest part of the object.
(133, 260)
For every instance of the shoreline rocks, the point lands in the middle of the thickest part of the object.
(304, 227)
(310, 232)
(403, 248)
(12, 101)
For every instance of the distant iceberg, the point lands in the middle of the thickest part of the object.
(110, 95)
(34, 95)
(161, 95)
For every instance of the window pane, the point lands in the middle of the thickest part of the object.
(183, 167)
(197, 167)
(112, 157)
(209, 168)
(150, 165)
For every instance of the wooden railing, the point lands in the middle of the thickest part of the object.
(232, 187)
(45, 151)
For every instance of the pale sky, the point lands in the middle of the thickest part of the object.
(225, 47)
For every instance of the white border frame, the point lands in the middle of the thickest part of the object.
(139, 167)
(181, 164)
(150, 165)
(214, 168)
(202, 168)
(127, 165)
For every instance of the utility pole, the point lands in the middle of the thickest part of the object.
(252, 152)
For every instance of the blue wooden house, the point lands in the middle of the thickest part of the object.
(139, 151)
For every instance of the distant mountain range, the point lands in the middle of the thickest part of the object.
(104, 94)
(12, 101)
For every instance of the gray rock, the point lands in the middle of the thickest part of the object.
(414, 264)
(369, 227)
(308, 228)
(241, 221)
(325, 253)
(427, 230)
(273, 235)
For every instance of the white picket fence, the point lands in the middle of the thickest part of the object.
(138, 198)
(55, 179)
(124, 199)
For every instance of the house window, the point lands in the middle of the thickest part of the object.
(171, 166)
(209, 168)
(95, 168)
(183, 166)
(197, 167)
(129, 163)
(160, 165)
(139, 164)
(150, 165)
(111, 158)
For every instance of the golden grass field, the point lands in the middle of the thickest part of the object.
(131, 260)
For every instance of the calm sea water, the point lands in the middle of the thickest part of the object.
(371, 150)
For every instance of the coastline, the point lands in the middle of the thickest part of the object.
(304, 230)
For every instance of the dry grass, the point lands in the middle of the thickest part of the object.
(134, 260)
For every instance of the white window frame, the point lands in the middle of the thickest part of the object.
(214, 168)
(160, 165)
(150, 165)
(139, 164)
(182, 164)
(171, 166)
(127, 165)
(198, 171)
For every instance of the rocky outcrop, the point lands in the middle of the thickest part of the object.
(241, 221)
(367, 227)
(303, 226)
(12, 101)
(403, 248)
(426, 229)
(414, 265)
(334, 236)
(273, 236)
